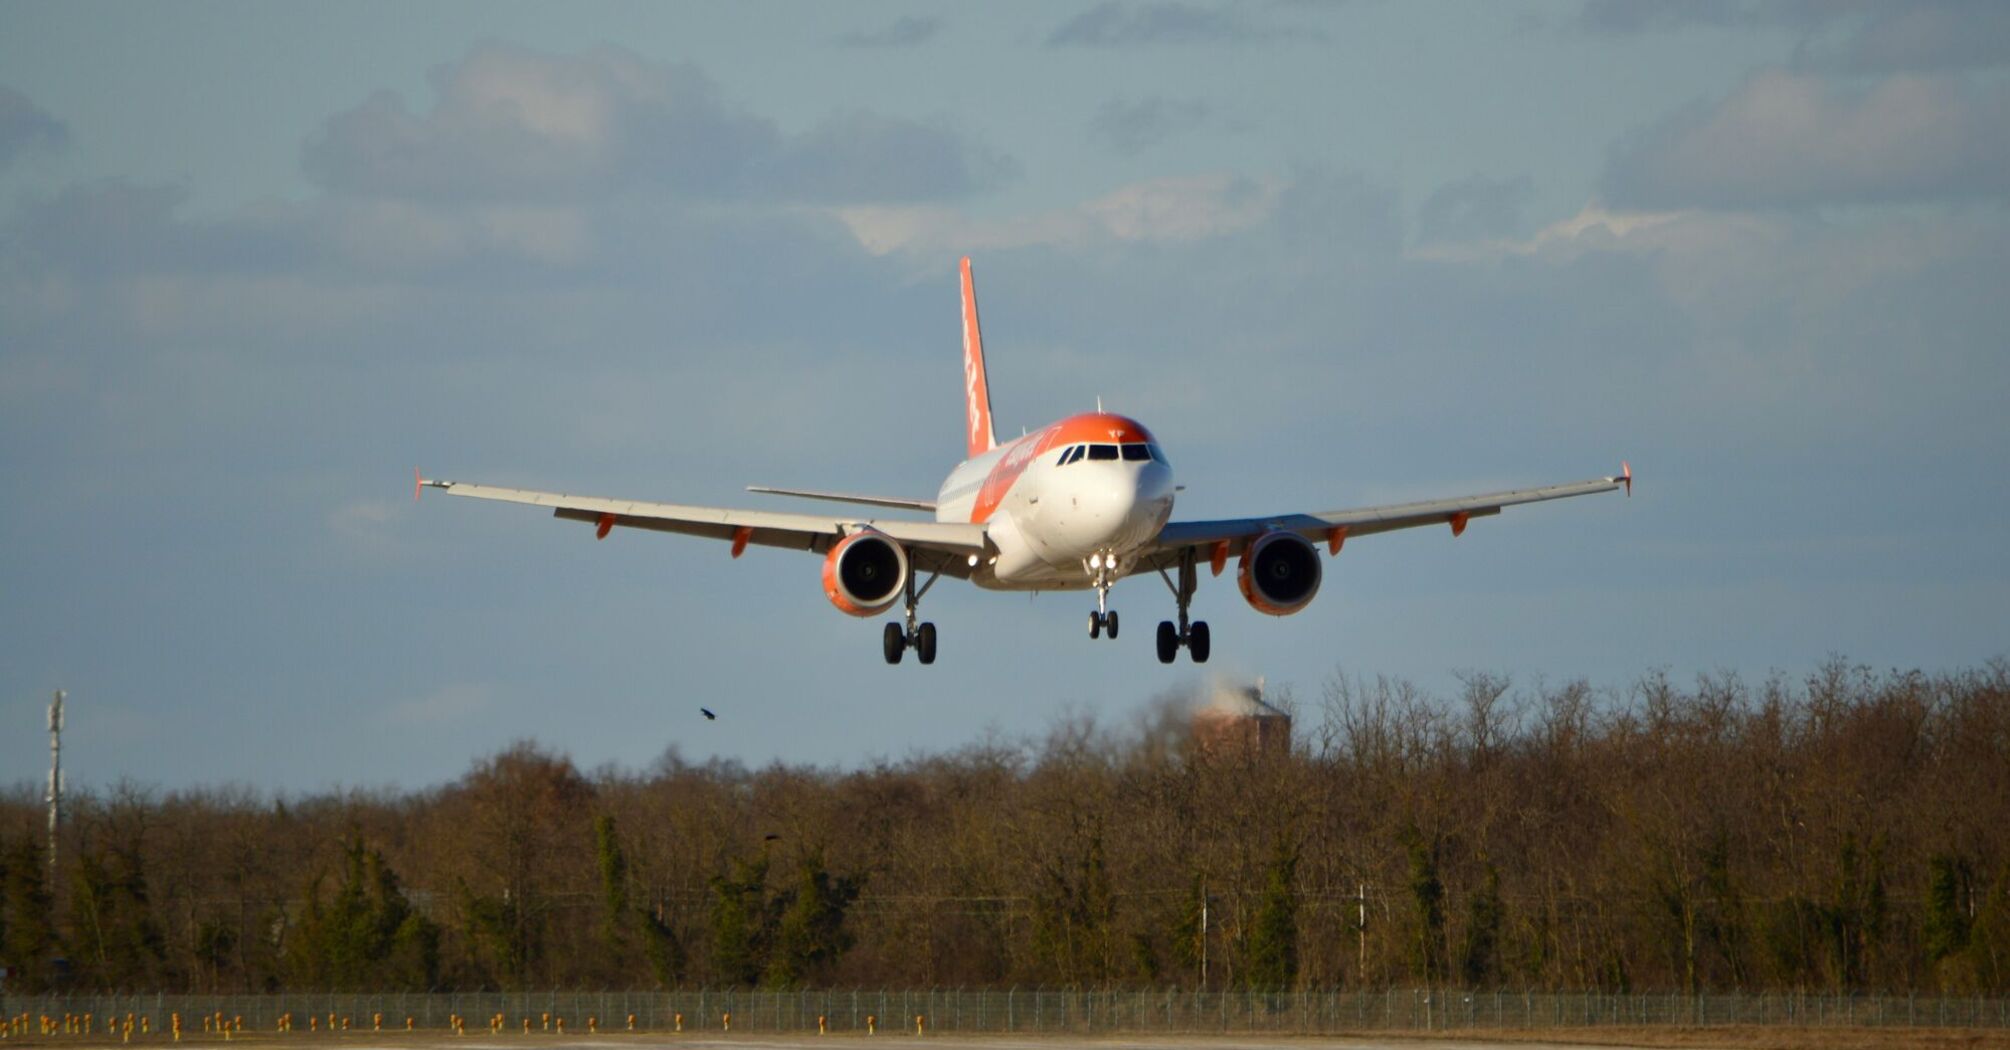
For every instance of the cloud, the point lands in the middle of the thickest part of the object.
(117, 227)
(1929, 37)
(513, 124)
(1173, 209)
(449, 705)
(1855, 36)
(906, 31)
(1131, 128)
(25, 126)
(1475, 208)
(1784, 139)
(1114, 24)
(1629, 17)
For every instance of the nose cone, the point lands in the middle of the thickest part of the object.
(1129, 505)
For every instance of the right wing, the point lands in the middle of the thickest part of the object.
(1228, 536)
(944, 547)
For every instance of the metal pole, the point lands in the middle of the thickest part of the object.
(1202, 936)
(1361, 929)
(55, 781)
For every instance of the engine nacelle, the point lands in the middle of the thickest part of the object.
(865, 573)
(1279, 573)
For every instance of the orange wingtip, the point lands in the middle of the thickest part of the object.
(1626, 475)
(418, 483)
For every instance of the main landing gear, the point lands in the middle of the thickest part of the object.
(1193, 636)
(898, 638)
(1103, 571)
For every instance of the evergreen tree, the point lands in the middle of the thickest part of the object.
(1272, 962)
(664, 950)
(1478, 963)
(496, 929)
(622, 923)
(118, 944)
(811, 935)
(1947, 881)
(1427, 891)
(615, 918)
(28, 942)
(366, 937)
(740, 922)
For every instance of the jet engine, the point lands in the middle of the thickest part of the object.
(864, 573)
(1279, 573)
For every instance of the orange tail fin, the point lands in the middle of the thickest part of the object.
(976, 386)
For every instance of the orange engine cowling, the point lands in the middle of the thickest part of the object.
(1279, 573)
(864, 573)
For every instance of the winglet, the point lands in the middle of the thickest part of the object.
(417, 484)
(1626, 475)
(976, 385)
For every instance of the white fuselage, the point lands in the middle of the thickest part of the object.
(1063, 503)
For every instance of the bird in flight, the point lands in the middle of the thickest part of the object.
(709, 716)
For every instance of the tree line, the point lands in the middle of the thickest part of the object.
(1849, 831)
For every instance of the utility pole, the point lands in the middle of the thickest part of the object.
(1203, 936)
(55, 779)
(1361, 931)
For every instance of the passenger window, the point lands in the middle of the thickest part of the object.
(1136, 453)
(1102, 452)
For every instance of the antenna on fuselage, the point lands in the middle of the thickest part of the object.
(1099, 404)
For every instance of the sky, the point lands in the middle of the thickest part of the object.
(259, 261)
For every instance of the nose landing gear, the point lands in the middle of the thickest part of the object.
(1103, 569)
(1193, 636)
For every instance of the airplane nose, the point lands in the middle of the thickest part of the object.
(1129, 503)
(1111, 504)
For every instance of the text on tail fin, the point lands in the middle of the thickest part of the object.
(976, 386)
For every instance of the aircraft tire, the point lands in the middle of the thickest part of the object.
(924, 643)
(1110, 624)
(894, 642)
(1095, 625)
(1197, 641)
(1168, 642)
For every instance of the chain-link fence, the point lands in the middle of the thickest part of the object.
(1011, 1010)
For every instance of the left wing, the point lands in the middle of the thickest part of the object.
(945, 547)
(1228, 536)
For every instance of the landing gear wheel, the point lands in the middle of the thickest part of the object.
(894, 641)
(924, 643)
(1168, 642)
(1110, 624)
(1095, 625)
(1197, 641)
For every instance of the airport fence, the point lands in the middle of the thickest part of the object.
(896, 1012)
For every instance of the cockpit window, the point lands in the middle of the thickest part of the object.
(1159, 454)
(1102, 452)
(1137, 453)
(1069, 455)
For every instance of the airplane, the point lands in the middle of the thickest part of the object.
(1075, 505)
